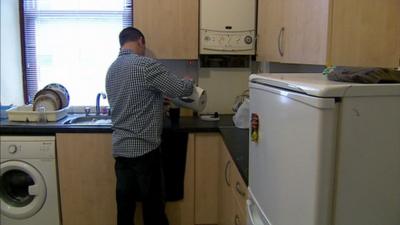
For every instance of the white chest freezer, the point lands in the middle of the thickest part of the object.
(327, 153)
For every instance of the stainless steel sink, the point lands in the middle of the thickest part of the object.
(89, 120)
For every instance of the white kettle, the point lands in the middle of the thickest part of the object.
(197, 101)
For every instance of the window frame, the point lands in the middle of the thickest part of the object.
(29, 73)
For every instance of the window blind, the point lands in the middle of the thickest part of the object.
(70, 42)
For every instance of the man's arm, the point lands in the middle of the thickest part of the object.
(169, 84)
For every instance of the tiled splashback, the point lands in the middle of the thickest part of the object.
(182, 68)
(223, 85)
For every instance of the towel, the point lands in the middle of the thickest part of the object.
(173, 154)
(363, 75)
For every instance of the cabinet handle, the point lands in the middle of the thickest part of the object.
(398, 68)
(239, 191)
(280, 37)
(250, 211)
(237, 220)
(226, 173)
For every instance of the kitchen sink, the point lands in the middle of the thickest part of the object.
(89, 120)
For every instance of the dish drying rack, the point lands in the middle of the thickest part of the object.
(25, 113)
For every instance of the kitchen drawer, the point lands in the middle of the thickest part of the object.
(239, 217)
(233, 192)
(236, 192)
(239, 188)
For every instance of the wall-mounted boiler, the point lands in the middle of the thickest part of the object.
(227, 27)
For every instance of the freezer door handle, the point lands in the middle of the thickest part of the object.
(254, 216)
(249, 212)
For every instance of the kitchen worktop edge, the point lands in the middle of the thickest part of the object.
(235, 139)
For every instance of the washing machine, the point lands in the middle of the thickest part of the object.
(28, 181)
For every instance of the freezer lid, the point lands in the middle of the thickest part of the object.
(316, 84)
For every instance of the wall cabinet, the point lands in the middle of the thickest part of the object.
(293, 31)
(87, 182)
(170, 27)
(337, 32)
(366, 32)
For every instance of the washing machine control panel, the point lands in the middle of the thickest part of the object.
(27, 148)
(12, 149)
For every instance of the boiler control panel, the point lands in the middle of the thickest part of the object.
(225, 42)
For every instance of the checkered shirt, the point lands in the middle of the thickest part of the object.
(136, 87)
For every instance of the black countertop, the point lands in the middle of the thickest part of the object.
(189, 124)
(235, 139)
(237, 142)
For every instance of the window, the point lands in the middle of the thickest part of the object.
(72, 43)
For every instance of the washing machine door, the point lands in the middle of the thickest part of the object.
(22, 189)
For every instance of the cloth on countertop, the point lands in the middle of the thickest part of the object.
(173, 154)
(363, 75)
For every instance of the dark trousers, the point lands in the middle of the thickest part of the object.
(140, 179)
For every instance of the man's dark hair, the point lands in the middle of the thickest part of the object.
(130, 34)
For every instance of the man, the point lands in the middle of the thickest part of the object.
(135, 86)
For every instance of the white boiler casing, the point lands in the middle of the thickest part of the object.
(227, 27)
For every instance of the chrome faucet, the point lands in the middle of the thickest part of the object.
(101, 94)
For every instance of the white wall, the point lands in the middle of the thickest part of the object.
(223, 85)
(11, 70)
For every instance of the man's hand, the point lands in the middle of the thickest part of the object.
(187, 78)
(167, 101)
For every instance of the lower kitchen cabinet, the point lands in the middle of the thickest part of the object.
(232, 191)
(214, 191)
(87, 182)
(86, 178)
(221, 193)
(207, 147)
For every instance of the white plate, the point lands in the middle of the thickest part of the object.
(62, 91)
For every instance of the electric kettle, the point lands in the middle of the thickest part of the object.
(197, 101)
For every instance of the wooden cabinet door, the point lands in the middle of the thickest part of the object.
(170, 27)
(305, 35)
(293, 31)
(232, 191)
(207, 147)
(269, 34)
(86, 178)
(226, 199)
(239, 217)
(365, 33)
(338, 32)
(398, 53)
(239, 189)
(87, 182)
